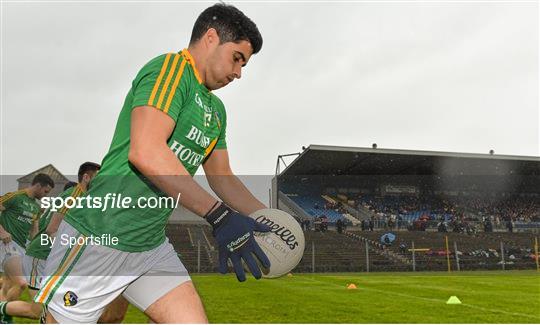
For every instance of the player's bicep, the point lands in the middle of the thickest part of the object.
(149, 127)
(218, 163)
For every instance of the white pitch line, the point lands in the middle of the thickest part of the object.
(435, 300)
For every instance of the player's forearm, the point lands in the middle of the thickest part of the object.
(34, 229)
(164, 170)
(52, 228)
(234, 193)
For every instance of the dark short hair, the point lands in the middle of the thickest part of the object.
(231, 25)
(69, 184)
(87, 167)
(43, 180)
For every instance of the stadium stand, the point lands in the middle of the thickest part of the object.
(482, 204)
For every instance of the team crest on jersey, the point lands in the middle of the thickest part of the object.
(70, 299)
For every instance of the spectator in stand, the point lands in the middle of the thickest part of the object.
(307, 224)
(488, 225)
(392, 222)
(324, 223)
(510, 225)
(441, 227)
(403, 248)
(371, 223)
(339, 226)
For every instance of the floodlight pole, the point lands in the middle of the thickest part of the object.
(447, 254)
(413, 257)
(367, 256)
(536, 253)
(198, 256)
(457, 257)
(502, 257)
(312, 257)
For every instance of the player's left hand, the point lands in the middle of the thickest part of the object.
(234, 235)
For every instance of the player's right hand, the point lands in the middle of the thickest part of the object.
(5, 237)
(234, 235)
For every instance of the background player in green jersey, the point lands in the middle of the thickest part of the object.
(18, 211)
(171, 123)
(37, 253)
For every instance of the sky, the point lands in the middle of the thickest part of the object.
(429, 75)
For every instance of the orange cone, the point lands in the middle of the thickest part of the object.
(351, 286)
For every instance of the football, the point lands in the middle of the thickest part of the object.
(284, 244)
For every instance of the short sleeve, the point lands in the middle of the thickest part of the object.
(222, 142)
(162, 84)
(7, 199)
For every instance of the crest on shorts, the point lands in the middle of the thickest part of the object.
(70, 299)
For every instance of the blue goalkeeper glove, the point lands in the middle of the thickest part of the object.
(234, 235)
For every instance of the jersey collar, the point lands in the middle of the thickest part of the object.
(28, 193)
(187, 56)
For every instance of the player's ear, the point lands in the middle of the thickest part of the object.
(86, 178)
(212, 37)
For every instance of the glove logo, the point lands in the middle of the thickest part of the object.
(70, 299)
(236, 244)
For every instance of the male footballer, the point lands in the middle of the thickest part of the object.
(170, 124)
(19, 209)
(38, 249)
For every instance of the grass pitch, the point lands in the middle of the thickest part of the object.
(487, 297)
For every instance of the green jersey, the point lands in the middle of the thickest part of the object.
(169, 83)
(36, 248)
(20, 211)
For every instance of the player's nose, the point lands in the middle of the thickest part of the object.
(238, 72)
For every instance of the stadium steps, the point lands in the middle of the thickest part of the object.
(375, 246)
(338, 253)
(351, 212)
(179, 236)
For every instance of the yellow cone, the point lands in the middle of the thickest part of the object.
(289, 275)
(453, 301)
(351, 286)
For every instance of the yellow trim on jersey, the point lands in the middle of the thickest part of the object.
(185, 53)
(175, 85)
(76, 193)
(167, 81)
(11, 195)
(158, 80)
(211, 147)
